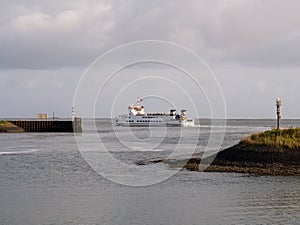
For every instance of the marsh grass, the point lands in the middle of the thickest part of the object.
(284, 138)
(3, 123)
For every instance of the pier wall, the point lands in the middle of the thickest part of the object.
(49, 125)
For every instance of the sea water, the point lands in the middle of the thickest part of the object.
(45, 179)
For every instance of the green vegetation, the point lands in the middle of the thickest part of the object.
(284, 138)
(3, 126)
(7, 127)
(3, 123)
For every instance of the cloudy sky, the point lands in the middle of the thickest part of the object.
(253, 46)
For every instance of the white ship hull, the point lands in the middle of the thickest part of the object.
(154, 122)
(138, 117)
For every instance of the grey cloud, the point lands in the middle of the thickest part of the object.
(42, 34)
(253, 46)
(40, 39)
(281, 51)
(27, 92)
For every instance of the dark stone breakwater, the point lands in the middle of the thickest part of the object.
(252, 159)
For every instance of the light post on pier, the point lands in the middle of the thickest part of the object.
(278, 104)
(73, 113)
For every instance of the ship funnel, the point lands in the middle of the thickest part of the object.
(172, 112)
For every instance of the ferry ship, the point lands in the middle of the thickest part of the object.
(138, 117)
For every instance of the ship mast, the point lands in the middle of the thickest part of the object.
(138, 102)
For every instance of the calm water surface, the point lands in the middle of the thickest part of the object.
(45, 180)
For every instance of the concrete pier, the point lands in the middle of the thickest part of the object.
(49, 125)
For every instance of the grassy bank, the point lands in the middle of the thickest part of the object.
(285, 138)
(274, 152)
(4, 123)
(7, 127)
